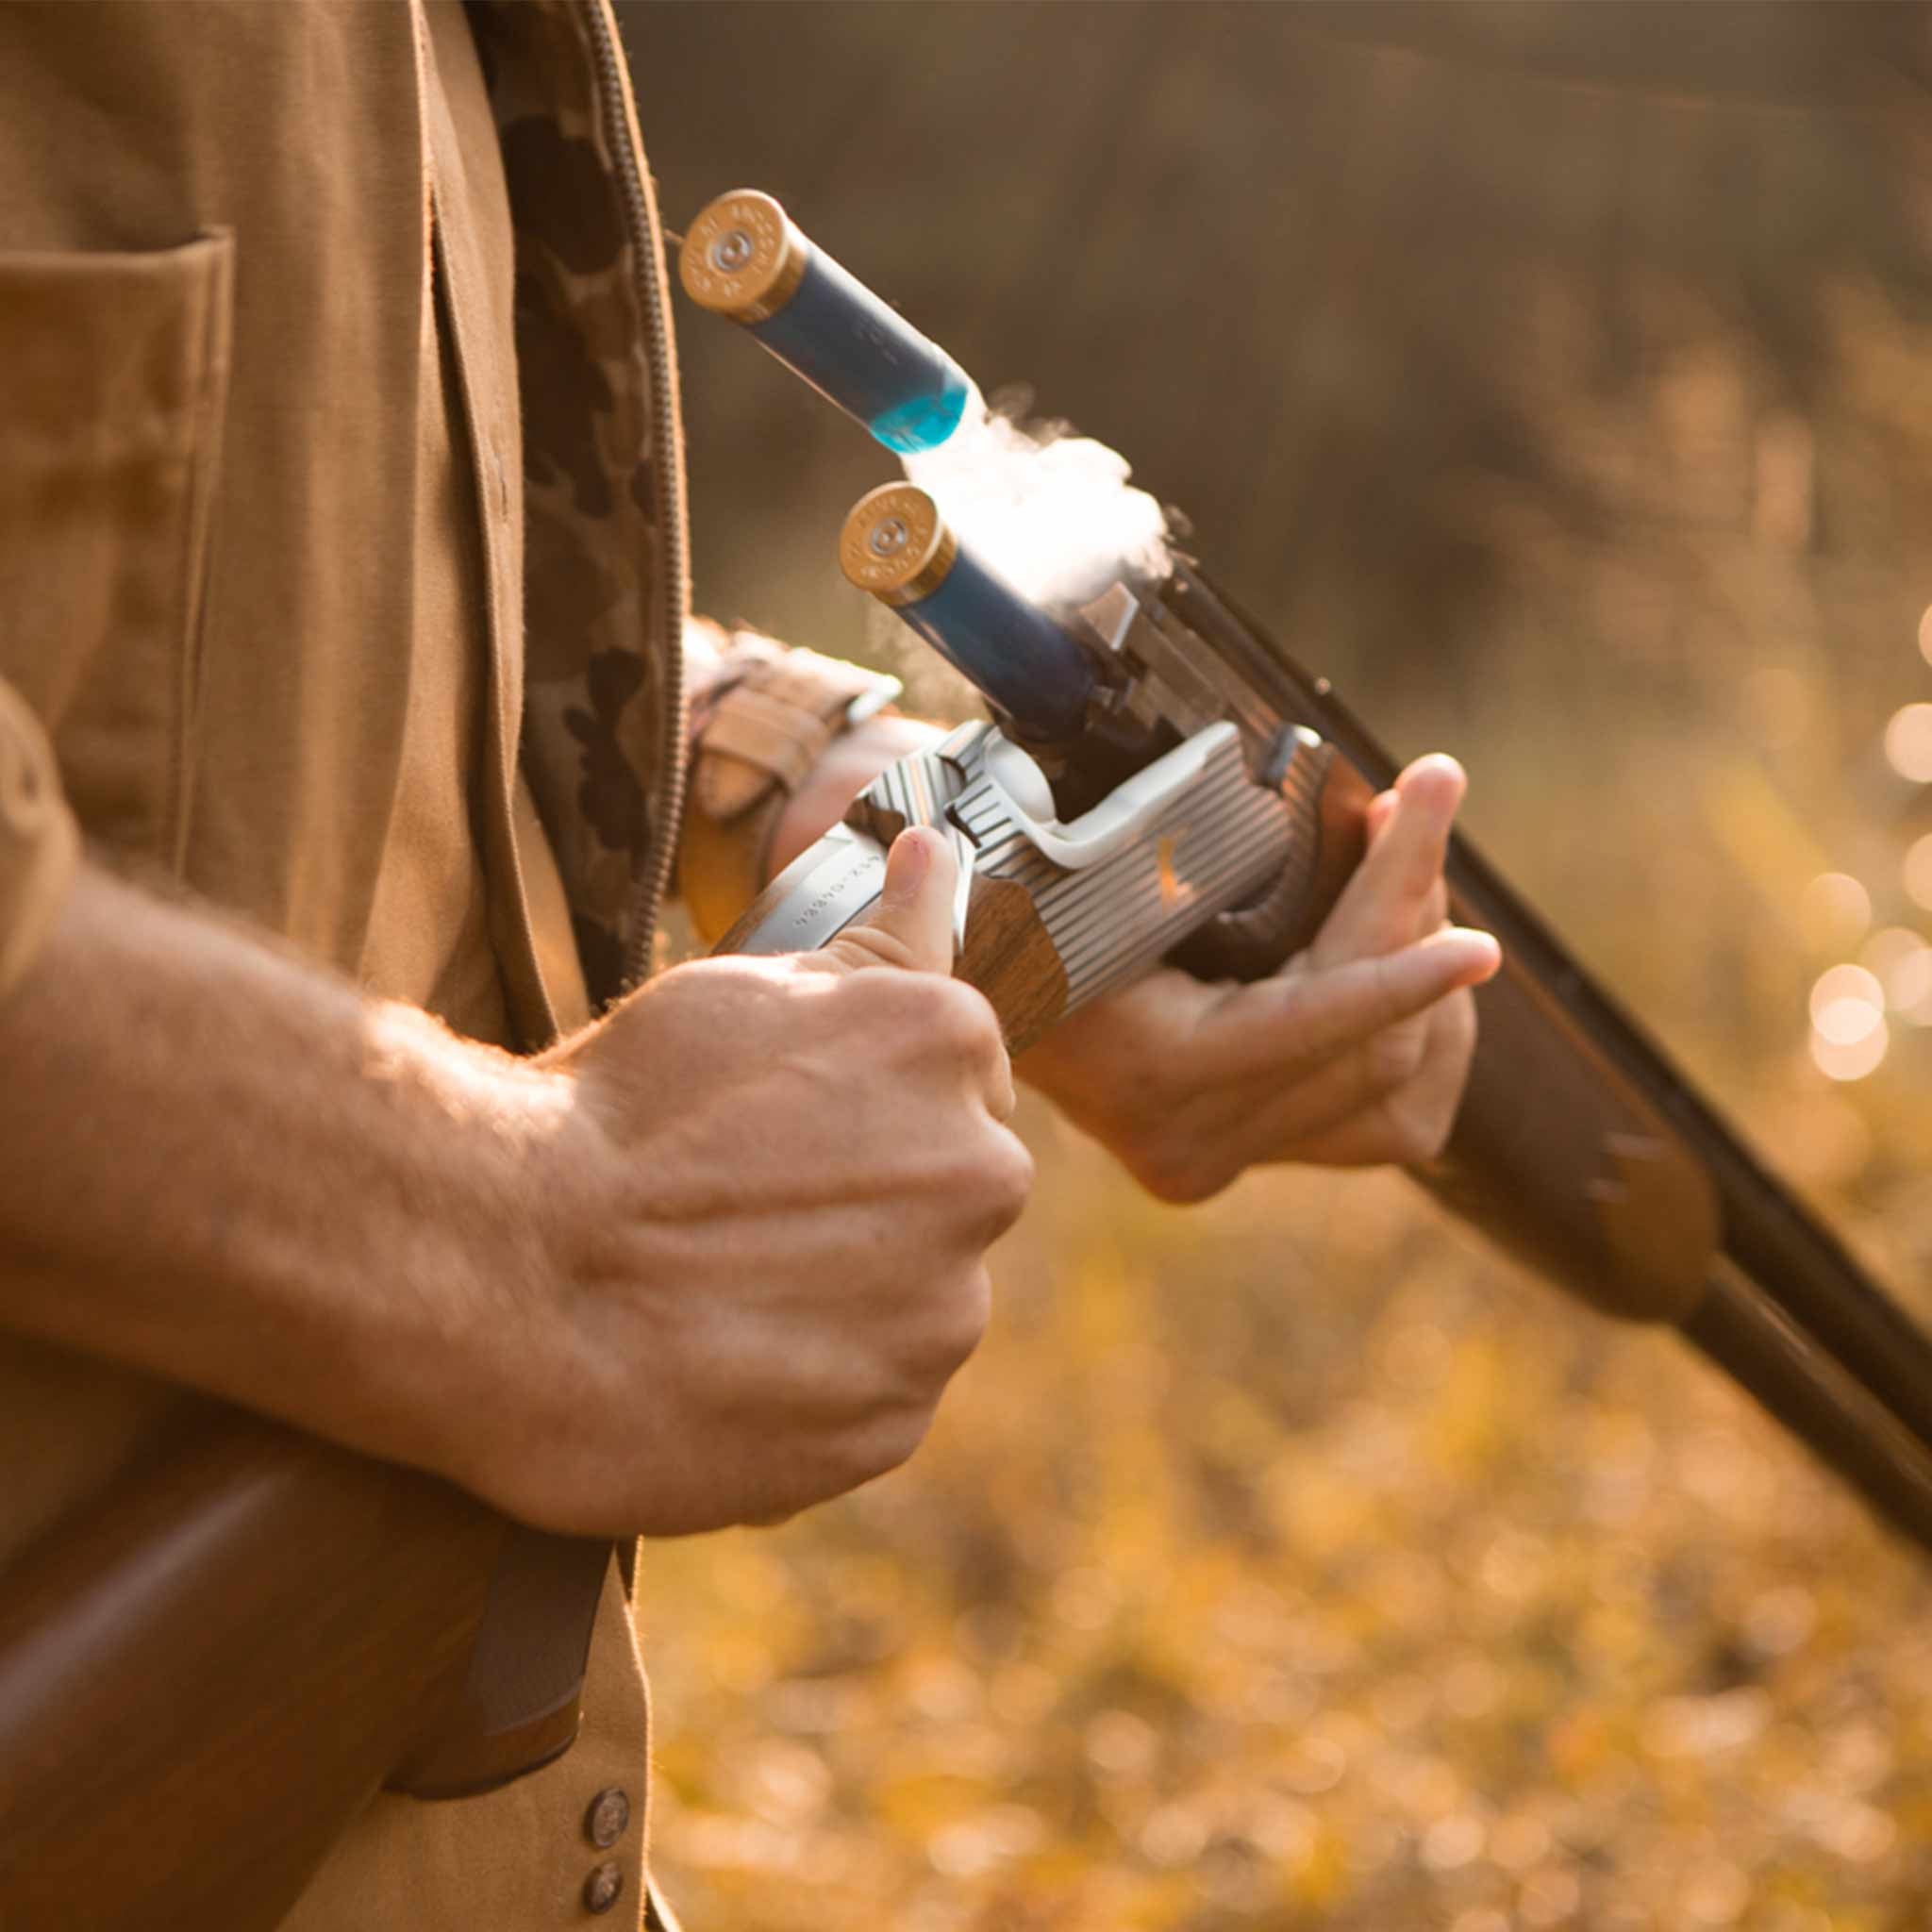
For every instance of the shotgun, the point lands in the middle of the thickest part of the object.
(1161, 781)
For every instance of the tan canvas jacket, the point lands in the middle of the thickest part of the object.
(308, 603)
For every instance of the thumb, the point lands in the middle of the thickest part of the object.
(911, 926)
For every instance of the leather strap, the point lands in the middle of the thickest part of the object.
(769, 726)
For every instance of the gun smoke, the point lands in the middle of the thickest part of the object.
(1051, 512)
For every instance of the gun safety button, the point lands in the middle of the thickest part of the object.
(604, 1821)
(604, 1886)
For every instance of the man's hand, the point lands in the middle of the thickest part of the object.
(778, 1187)
(1356, 1052)
(710, 1260)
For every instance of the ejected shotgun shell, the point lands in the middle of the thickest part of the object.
(744, 258)
(896, 545)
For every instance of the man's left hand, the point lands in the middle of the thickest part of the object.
(1354, 1054)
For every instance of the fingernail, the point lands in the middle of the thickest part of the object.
(1434, 765)
(1469, 956)
(906, 865)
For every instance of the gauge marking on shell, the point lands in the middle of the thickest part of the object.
(743, 257)
(896, 545)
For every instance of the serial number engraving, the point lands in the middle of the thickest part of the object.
(808, 915)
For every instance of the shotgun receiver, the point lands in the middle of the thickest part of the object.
(1161, 781)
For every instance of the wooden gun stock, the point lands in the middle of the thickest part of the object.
(204, 1675)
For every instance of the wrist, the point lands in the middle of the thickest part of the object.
(770, 720)
(462, 1377)
(849, 765)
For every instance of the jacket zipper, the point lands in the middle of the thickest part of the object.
(667, 445)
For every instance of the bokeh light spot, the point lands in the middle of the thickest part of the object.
(1836, 910)
(1926, 635)
(1887, 950)
(1845, 1023)
(1452, 1843)
(1918, 870)
(1909, 743)
(1909, 987)
(1850, 1059)
(1908, 984)
(1846, 1003)
(1716, 1894)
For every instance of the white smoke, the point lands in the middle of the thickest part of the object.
(1051, 512)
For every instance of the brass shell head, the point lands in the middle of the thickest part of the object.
(742, 258)
(896, 545)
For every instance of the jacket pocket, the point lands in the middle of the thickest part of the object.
(114, 385)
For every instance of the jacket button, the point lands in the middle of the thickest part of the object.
(604, 1822)
(604, 1886)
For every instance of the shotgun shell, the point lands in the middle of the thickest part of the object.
(744, 258)
(896, 545)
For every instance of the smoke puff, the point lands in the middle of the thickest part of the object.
(1054, 514)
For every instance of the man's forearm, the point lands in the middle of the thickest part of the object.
(223, 1167)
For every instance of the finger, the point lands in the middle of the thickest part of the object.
(911, 928)
(1435, 913)
(1280, 1121)
(1381, 908)
(1408, 1126)
(999, 1091)
(1376, 814)
(1313, 1016)
(1370, 1138)
(1402, 1083)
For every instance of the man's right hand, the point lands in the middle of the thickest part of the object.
(710, 1260)
(770, 1210)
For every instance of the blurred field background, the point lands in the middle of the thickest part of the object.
(1557, 375)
